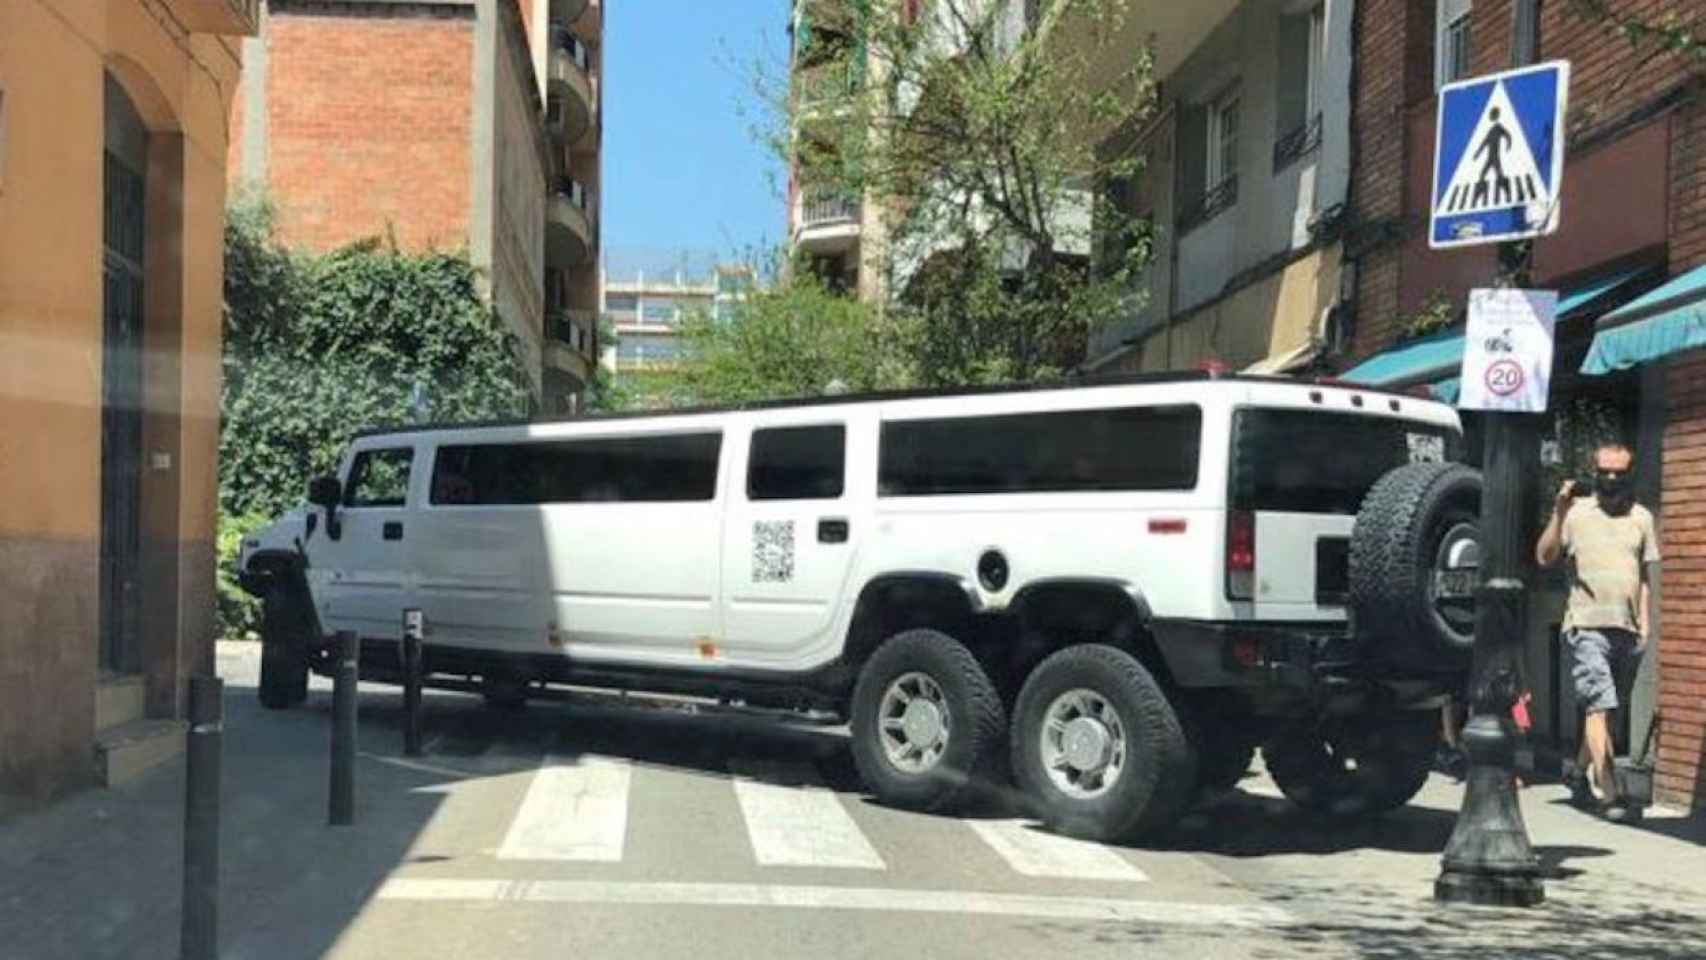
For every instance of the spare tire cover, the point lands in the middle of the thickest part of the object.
(1414, 567)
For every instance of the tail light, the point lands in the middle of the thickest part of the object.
(1241, 555)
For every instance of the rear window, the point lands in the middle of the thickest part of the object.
(1128, 448)
(1305, 461)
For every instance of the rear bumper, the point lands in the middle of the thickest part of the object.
(1296, 656)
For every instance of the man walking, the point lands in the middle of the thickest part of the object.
(1611, 545)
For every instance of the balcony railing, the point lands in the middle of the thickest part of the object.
(1297, 144)
(821, 207)
(1217, 199)
(827, 85)
(574, 328)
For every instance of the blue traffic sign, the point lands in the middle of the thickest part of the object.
(1499, 156)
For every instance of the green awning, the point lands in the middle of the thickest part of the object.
(1436, 359)
(1666, 320)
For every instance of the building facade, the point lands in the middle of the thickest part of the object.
(112, 198)
(1627, 262)
(646, 313)
(1245, 170)
(451, 124)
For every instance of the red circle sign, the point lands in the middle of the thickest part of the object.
(1504, 377)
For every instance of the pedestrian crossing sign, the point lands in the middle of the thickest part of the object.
(1499, 156)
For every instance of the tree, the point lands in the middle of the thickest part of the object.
(994, 135)
(318, 347)
(794, 340)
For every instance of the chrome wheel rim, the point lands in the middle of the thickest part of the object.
(913, 722)
(1084, 744)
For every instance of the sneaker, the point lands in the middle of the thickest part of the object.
(1623, 813)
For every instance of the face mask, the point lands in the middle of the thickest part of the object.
(1616, 490)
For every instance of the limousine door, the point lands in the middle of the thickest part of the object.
(788, 541)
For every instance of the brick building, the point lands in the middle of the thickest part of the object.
(1628, 263)
(448, 124)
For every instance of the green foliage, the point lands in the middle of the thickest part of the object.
(1438, 313)
(238, 613)
(794, 340)
(318, 347)
(1000, 158)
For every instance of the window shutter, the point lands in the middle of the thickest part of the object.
(1291, 94)
(1191, 156)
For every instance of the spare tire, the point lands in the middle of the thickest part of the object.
(1414, 567)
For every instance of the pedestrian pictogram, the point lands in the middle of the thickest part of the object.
(1499, 157)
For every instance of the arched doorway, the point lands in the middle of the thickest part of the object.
(124, 197)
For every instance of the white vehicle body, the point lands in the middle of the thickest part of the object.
(769, 586)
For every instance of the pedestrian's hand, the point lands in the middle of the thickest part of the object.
(1566, 499)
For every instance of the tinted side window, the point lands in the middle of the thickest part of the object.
(662, 469)
(379, 478)
(1130, 448)
(797, 463)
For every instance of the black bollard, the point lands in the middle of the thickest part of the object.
(341, 804)
(200, 911)
(413, 628)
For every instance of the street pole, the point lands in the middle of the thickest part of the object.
(1488, 860)
(414, 628)
(199, 931)
(340, 805)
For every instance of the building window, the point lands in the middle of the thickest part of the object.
(1453, 40)
(1208, 159)
(1298, 93)
(621, 302)
(1223, 139)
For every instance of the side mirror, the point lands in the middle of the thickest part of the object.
(325, 492)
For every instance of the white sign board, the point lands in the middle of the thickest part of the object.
(1507, 353)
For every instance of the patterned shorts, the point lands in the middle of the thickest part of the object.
(1597, 657)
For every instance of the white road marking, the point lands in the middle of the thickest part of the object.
(419, 767)
(1156, 912)
(1034, 852)
(798, 826)
(577, 811)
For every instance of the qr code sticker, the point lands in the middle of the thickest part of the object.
(1426, 448)
(772, 551)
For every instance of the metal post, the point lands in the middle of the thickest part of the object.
(413, 629)
(341, 804)
(199, 936)
(1489, 859)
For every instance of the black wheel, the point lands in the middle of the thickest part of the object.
(1097, 747)
(284, 651)
(925, 720)
(1221, 764)
(1356, 766)
(1415, 550)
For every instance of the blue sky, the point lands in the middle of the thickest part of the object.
(681, 168)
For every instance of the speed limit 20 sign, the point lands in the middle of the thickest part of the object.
(1507, 353)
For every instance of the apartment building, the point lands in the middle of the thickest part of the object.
(112, 192)
(451, 124)
(646, 311)
(1246, 168)
(1629, 265)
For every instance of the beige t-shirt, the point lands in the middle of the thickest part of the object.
(1606, 554)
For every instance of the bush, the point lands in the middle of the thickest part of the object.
(239, 615)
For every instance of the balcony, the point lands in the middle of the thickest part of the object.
(576, 329)
(827, 221)
(226, 17)
(568, 228)
(827, 88)
(570, 100)
(584, 16)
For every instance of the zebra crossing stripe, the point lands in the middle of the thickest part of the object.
(799, 825)
(574, 811)
(639, 894)
(1035, 853)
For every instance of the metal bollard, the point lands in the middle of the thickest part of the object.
(200, 909)
(414, 627)
(341, 804)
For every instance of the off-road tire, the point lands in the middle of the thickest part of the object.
(284, 651)
(1159, 777)
(975, 722)
(1392, 754)
(1392, 561)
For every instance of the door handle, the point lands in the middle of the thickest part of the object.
(832, 530)
(393, 530)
